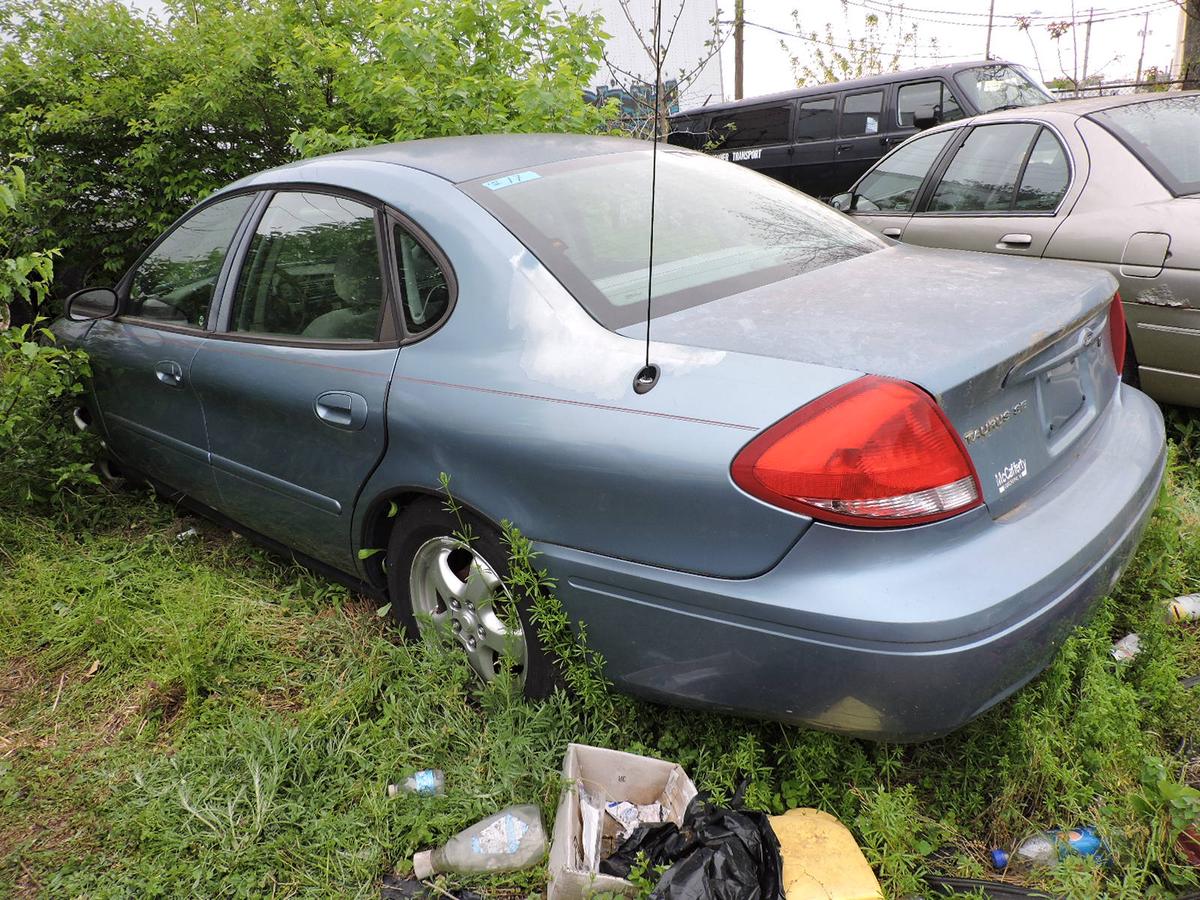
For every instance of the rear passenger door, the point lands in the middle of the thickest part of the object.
(860, 136)
(295, 379)
(813, 148)
(1003, 191)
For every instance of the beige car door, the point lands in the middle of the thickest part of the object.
(884, 198)
(1004, 191)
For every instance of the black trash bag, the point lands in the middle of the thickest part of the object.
(718, 853)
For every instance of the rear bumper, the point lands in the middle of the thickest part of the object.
(896, 635)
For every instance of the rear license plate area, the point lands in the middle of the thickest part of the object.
(1061, 396)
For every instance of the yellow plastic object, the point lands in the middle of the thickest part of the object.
(821, 860)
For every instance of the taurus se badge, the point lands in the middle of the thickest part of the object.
(996, 422)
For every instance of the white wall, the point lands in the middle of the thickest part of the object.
(687, 46)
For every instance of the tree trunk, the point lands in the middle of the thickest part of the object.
(1190, 72)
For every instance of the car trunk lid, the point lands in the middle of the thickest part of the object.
(1015, 351)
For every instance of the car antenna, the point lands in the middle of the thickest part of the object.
(647, 376)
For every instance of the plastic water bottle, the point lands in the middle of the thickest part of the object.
(430, 782)
(509, 840)
(1046, 848)
(1184, 609)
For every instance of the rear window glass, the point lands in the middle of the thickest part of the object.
(719, 229)
(816, 119)
(1163, 135)
(752, 127)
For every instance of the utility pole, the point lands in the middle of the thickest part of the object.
(1189, 53)
(1087, 43)
(1142, 52)
(739, 17)
(987, 51)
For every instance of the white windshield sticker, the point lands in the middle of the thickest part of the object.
(509, 180)
(872, 125)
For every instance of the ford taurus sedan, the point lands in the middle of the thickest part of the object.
(1110, 181)
(861, 486)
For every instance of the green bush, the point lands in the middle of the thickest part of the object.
(42, 457)
(128, 120)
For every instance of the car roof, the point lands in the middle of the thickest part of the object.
(1070, 109)
(850, 84)
(468, 157)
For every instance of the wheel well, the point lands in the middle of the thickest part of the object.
(378, 525)
(377, 528)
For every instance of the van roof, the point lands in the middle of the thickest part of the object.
(851, 84)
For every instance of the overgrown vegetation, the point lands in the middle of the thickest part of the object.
(127, 120)
(196, 717)
(42, 458)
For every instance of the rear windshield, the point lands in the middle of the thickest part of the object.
(1163, 135)
(719, 229)
(1001, 87)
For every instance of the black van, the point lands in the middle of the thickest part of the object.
(820, 139)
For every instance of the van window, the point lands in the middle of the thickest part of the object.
(690, 132)
(935, 95)
(753, 127)
(861, 112)
(816, 119)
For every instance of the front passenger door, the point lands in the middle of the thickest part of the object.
(142, 360)
(295, 379)
(883, 200)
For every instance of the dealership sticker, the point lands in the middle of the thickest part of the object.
(1011, 474)
(509, 180)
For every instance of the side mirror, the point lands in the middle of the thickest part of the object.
(843, 202)
(91, 303)
(926, 117)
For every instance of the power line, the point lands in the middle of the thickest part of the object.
(1105, 15)
(825, 43)
(880, 8)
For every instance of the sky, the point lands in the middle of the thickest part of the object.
(960, 31)
(947, 31)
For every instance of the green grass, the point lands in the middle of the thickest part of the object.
(199, 718)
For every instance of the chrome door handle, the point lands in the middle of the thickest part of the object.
(169, 373)
(892, 231)
(842, 147)
(342, 409)
(1015, 240)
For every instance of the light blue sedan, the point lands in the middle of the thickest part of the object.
(859, 486)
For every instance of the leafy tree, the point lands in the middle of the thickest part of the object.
(126, 120)
(837, 56)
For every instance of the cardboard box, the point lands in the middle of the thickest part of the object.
(608, 775)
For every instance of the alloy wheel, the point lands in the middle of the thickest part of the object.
(457, 592)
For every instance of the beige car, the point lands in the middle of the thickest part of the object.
(1111, 181)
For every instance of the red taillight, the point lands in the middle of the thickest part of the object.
(1116, 332)
(873, 452)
